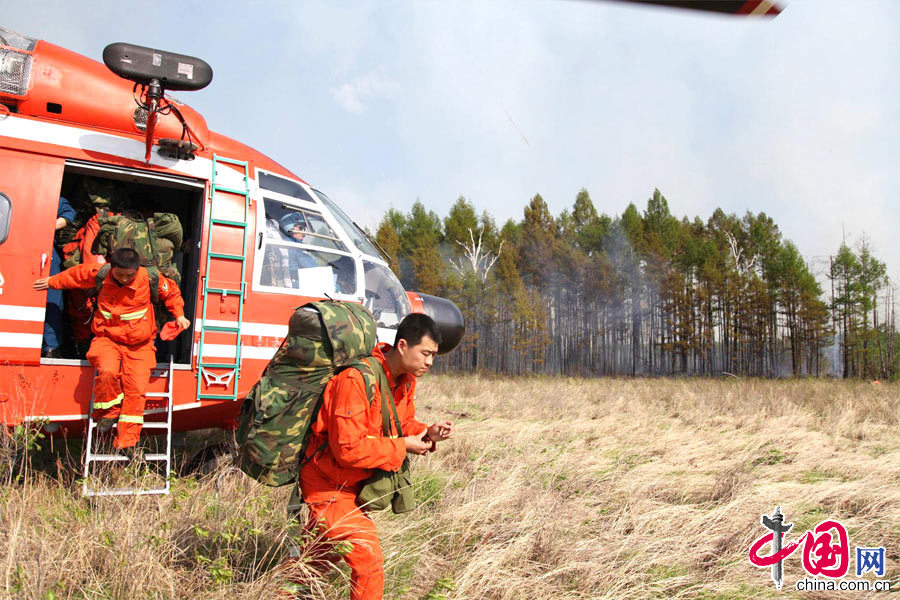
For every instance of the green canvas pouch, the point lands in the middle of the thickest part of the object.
(385, 488)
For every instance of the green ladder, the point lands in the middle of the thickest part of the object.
(232, 375)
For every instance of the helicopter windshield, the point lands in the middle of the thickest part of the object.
(385, 297)
(356, 234)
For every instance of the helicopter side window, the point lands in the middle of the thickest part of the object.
(5, 214)
(283, 186)
(317, 273)
(299, 225)
(303, 253)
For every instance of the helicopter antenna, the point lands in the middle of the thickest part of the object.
(158, 71)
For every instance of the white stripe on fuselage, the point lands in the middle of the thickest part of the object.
(95, 141)
(249, 328)
(20, 340)
(11, 312)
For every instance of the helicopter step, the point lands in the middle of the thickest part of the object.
(98, 458)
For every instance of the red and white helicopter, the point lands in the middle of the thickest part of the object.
(65, 117)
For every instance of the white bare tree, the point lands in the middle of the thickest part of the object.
(476, 258)
(737, 253)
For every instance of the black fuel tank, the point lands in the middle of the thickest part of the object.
(449, 320)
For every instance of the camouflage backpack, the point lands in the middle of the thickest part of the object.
(155, 238)
(278, 411)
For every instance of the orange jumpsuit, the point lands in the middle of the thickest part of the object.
(122, 350)
(350, 422)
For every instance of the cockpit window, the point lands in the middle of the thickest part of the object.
(385, 297)
(308, 271)
(303, 253)
(5, 214)
(297, 225)
(355, 233)
(284, 186)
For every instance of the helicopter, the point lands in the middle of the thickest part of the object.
(66, 119)
(260, 241)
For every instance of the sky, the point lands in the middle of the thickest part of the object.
(382, 103)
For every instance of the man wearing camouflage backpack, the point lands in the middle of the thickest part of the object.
(124, 328)
(355, 437)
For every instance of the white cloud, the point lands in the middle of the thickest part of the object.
(355, 95)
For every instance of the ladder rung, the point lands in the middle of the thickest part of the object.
(107, 457)
(221, 328)
(157, 394)
(217, 291)
(226, 222)
(156, 425)
(215, 397)
(224, 256)
(225, 188)
(217, 366)
(127, 492)
(122, 457)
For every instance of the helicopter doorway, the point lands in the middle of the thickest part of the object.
(138, 194)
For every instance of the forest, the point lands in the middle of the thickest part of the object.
(644, 293)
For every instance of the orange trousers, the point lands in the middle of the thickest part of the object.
(123, 373)
(336, 510)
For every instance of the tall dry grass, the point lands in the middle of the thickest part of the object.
(553, 489)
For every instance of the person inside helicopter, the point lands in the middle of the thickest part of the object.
(283, 263)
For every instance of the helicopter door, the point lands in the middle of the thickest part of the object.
(29, 198)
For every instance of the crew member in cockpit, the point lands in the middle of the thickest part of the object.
(283, 263)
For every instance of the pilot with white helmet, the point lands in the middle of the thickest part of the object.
(283, 262)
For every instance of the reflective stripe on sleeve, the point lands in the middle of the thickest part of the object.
(104, 405)
(106, 315)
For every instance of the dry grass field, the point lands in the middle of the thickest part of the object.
(553, 489)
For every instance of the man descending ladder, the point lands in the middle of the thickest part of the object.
(223, 281)
(90, 486)
(124, 328)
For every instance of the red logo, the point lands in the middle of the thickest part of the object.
(826, 549)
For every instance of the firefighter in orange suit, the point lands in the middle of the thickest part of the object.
(350, 422)
(124, 328)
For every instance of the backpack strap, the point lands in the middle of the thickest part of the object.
(101, 275)
(373, 374)
(151, 236)
(152, 273)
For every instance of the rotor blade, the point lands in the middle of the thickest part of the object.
(748, 8)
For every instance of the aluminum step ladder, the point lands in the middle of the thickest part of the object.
(92, 458)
